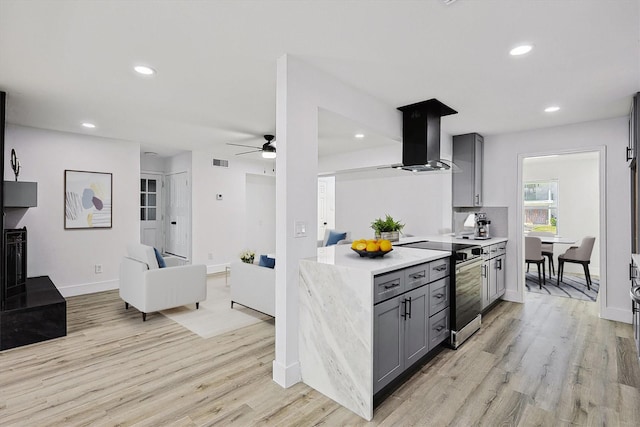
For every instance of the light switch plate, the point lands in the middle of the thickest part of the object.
(299, 229)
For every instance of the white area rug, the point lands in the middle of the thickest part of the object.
(215, 315)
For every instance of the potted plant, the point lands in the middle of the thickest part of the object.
(387, 228)
(247, 256)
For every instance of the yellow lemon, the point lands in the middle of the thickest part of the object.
(361, 246)
(373, 247)
(385, 245)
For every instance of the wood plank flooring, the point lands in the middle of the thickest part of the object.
(548, 362)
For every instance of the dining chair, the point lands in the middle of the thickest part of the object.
(533, 255)
(547, 248)
(578, 255)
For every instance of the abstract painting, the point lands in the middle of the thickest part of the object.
(87, 199)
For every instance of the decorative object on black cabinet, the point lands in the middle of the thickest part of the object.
(15, 163)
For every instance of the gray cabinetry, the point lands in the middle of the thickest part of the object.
(20, 194)
(467, 181)
(388, 356)
(493, 273)
(411, 317)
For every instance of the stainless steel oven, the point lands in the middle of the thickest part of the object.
(465, 302)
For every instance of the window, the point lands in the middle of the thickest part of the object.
(541, 206)
(148, 199)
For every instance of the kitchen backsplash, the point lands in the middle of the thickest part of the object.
(497, 216)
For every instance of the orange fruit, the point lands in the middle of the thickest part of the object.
(385, 245)
(373, 247)
(361, 246)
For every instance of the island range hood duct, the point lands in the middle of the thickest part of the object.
(421, 136)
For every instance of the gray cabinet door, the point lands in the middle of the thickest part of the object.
(486, 280)
(500, 276)
(416, 324)
(439, 329)
(467, 182)
(388, 344)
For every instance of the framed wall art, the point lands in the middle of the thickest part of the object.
(87, 199)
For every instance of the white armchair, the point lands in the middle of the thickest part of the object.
(149, 288)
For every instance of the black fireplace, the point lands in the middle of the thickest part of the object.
(15, 261)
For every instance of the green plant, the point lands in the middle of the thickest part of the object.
(386, 225)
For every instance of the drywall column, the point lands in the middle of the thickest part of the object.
(301, 91)
(296, 208)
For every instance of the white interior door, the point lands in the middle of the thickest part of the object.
(151, 212)
(326, 205)
(178, 218)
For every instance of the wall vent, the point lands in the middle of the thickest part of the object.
(221, 163)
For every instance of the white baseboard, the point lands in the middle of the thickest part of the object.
(88, 288)
(217, 268)
(512, 296)
(616, 314)
(286, 376)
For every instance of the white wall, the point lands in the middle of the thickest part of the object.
(501, 169)
(414, 199)
(260, 231)
(151, 163)
(69, 256)
(220, 226)
(578, 199)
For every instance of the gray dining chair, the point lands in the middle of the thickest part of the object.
(547, 249)
(578, 255)
(533, 255)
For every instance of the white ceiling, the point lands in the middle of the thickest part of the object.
(65, 62)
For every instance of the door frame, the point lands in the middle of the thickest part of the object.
(160, 209)
(602, 211)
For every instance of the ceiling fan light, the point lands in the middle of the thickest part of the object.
(269, 154)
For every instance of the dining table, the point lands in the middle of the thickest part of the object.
(556, 239)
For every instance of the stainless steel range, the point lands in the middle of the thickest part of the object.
(466, 286)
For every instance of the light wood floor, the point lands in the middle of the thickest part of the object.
(549, 362)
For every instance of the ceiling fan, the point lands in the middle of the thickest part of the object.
(268, 149)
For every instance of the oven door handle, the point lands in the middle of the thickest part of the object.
(467, 265)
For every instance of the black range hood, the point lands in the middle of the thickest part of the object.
(421, 136)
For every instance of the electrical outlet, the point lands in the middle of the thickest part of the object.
(98, 268)
(210, 256)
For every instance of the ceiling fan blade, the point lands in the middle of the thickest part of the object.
(242, 145)
(247, 152)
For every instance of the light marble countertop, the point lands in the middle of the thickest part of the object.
(447, 238)
(344, 256)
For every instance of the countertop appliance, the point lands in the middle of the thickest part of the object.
(465, 300)
(481, 229)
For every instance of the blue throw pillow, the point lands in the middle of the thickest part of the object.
(159, 258)
(335, 237)
(265, 261)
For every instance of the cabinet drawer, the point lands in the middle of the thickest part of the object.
(388, 285)
(416, 276)
(501, 248)
(486, 252)
(438, 296)
(493, 251)
(438, 269)
(438, 328)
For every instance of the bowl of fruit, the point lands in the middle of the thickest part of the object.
(372, 248)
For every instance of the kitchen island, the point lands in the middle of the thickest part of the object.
(340, 330)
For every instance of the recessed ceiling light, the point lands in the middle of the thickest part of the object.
(88, 125)
(520, 50)
(551, 109)
(144, 70)
(359, 135)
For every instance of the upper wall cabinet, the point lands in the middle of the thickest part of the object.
(20, 194)
(634, 129)
(467, 181)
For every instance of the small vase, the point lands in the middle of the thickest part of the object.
(392, 236)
